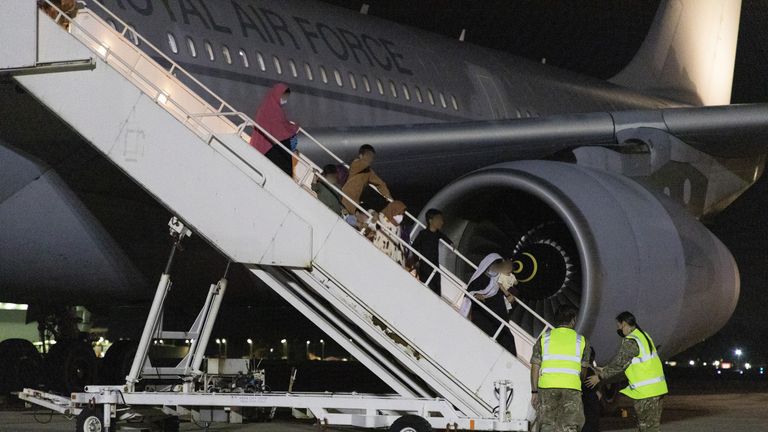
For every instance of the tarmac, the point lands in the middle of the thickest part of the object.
(690, 413)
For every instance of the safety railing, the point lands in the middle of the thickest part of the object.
(176, 97)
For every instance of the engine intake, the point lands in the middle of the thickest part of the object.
(601, 242)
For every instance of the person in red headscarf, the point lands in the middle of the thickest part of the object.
(271, 117)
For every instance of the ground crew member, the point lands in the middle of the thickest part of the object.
(558, 366)
(640, 362)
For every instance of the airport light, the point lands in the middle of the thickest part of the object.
(284, 342)
(307, 350)
(747, 366)
(738, 352)
(322, 349)
(692, 363)
(250, 347)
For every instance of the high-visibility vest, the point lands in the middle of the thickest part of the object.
(561, 353)
(645, 373)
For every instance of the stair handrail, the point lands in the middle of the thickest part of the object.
(247, 121)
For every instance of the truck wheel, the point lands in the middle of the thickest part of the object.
(71, 365)
(410, 423)
(21, 365)
(117, 361)
(90, 420)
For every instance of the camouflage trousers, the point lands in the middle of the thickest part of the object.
(649, 414)
(560, 410)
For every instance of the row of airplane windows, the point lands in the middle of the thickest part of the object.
(334, 75)
(325, 75)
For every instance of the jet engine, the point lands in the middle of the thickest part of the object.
(598, 241)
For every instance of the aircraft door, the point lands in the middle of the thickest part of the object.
(493, 96)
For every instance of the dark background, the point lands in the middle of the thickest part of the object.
(598, 38)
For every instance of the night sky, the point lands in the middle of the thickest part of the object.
(597, 38)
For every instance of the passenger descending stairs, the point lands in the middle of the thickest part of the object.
(196, 161)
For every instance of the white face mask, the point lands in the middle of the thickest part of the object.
(283, 101)
(398, 219)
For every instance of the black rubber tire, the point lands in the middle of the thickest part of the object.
(410, 423)
(117, 362)
(169, 424)
(21, 366)
(71, 365)
(90, 420)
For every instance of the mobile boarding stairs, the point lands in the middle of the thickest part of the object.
(189, 149)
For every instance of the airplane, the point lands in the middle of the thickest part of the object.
(597, 189)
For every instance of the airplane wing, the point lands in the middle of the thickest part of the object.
(737, 130)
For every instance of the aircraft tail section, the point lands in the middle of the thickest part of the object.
(689, 52)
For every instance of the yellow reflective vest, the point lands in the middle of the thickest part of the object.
(645, 373)
(561, 352)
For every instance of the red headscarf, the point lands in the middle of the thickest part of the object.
(271, 117)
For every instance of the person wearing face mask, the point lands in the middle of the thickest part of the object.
(558, 364)
(484, 286)
(639, 360)
(271, 117)
(389, 230)
(361, 175)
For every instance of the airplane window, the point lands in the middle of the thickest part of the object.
(337, 76)
(417, 90)
(191, 47)
(172, 43)
(323, 74)
(260, 61)
(209, 50)
(442, 100)
(527, 113)
(380, 86)
(308, 70)
(292, 64)
(393, 88)
(352, 81)
(430, 96)
(366, 84)
(278, 66)
(455, 103)
(112, 23)
(244, 58)
(406, 92)
(517, 111)
(227, 55)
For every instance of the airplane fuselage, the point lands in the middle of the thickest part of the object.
(350, 69)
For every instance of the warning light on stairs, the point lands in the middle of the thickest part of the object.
(162, 98)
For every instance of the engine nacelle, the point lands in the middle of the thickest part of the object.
(599, 241)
